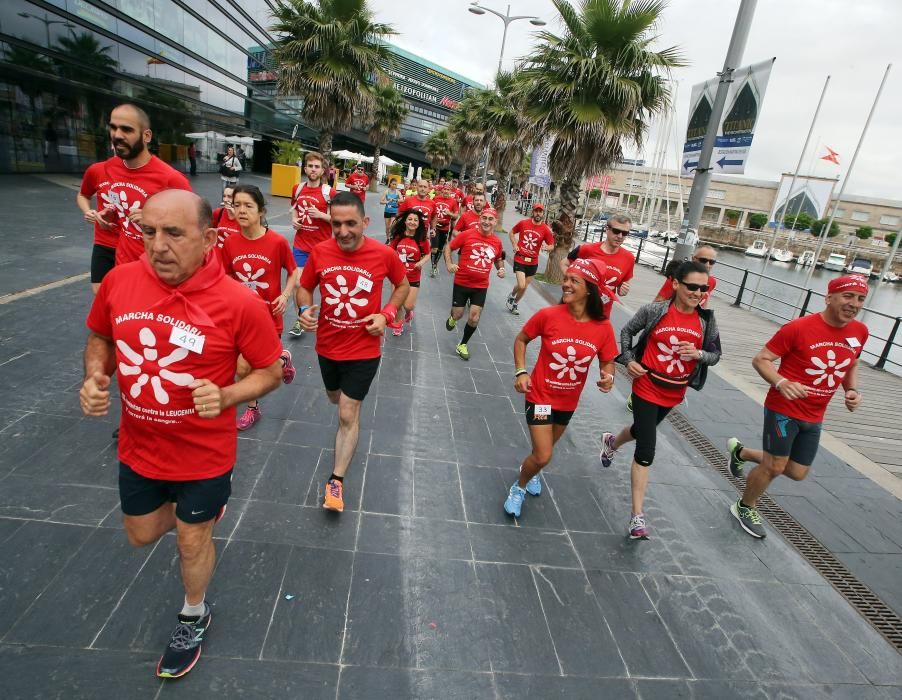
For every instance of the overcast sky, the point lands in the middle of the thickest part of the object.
(851, 41)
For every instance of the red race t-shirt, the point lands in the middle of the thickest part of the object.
(661, 357)
(619, 265)
(350, 285)
(818, 356)
(531, 236)
(410, 253)
(96, 180)
(568, 347)
(477, 257)
(127, 191)
(666, 290)
(358, 183)
(426, 207)
(459, 196)
(224, 226)
(153, 326)
(468, 220)
(468, 202)
(445, 208)
(311, 232)
(258, 265)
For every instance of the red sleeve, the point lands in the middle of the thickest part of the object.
(89, 182)
(518, 227)
(396, 270)
(460, 226)
(608, 349)
(549, 236)
(177, 181)
(402, 207)
(783, 340)
(332, 193)
(457, 241)
(294, 194)
(256, 338)
(536, 324)
(99, 320)
(666, 290)
(309, 276)
(285, 254)
(629, 273)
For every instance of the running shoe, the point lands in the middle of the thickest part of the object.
(509, 302)
(296, 331)
(184, 646)
(629, 403)
(250, 416)
(514, 310)
(116, 434)
(434, 271)
(450, 323)
(397, 329)
(607, 450)
(638, 527)
(534, 486)
(514, 501)
(288, 370)
(750, 520)
(408, 317)
(734, 447)
(462, 352)
(334, 500)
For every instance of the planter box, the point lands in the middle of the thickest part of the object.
(284, 178)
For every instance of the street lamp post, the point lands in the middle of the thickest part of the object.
(507, 18)
(47, 22)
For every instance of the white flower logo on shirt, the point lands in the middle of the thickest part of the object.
(119, 202)
(828, 370)
(150, 353)
(529, 241)
(569, 364)
(250, 277)
(344, 298)
(482, 256)
(611, 280)
(302, 210)
(405, 256)
(669, 352)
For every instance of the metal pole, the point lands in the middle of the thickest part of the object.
(792, 183)
(507, 21)
(703, 169)
(864, 131)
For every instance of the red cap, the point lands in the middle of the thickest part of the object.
(848, 283)
(538, 205)
(488, 210)
(589, 269)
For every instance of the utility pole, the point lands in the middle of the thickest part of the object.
(689, 229)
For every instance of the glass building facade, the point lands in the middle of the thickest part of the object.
(196, 66)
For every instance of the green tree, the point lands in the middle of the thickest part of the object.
(389, 112)
(798, 222)
(864, 232)
(439, 148)
(757, 220)
(890, 238)
(328, 53)
(818, 226)
(593, 87)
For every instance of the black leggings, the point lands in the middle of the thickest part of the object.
(646, 417)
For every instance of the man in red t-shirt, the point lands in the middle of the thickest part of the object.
(349, 271)
(478, 188)
(310, 217)
(173, 325)
(446, 208)
(124, 182)
(818, 353)
(618, 260)
(706, 255)
(528, 238)
(419, 202)
(106, 237)
(358, 181)
(479, 249)
(469, 219)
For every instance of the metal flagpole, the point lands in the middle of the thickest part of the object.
(779, 222)
(686, 242)
(864, 131)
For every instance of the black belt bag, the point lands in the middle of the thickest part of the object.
(667, 381)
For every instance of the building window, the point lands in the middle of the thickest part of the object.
(888, 220)
(840, 214)
(717, 194)
(860, 216)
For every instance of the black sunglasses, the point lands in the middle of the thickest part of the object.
(695, 287)
(706, 261)
(619, 231)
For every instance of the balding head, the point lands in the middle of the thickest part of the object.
(177, 234)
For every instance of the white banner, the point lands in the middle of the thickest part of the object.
(539, 170)
(737, 127)
(810, 195)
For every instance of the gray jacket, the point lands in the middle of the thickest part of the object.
(648, 316)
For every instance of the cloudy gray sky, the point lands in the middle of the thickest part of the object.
(851, 41)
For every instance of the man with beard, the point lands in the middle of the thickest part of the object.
(122, 184)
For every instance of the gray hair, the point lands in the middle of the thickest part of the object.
(621, 219)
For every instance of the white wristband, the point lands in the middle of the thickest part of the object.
(777, 385)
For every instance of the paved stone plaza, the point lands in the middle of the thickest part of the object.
(423, 587)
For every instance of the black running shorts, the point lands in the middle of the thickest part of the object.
(103, 258)
(554, 418)
(789, 437)
(461, 295)
(196, 501)
(528, 270)
(438, 242)
(646, 418)
(351, 377)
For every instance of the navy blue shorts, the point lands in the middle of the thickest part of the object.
(300, 256)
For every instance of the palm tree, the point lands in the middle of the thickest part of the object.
(592, 87)
(328, 52)
(85, 59)
(389, 112)
(439, 148)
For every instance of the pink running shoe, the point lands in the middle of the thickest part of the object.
(408, 317)
(397, 329)
(250, 416)
(288, 370)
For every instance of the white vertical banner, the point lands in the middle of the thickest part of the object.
(737, 127)
(539, 169)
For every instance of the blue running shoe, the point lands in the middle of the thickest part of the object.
(514, 502)
(534, 486)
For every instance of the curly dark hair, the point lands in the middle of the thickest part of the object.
(400, 226)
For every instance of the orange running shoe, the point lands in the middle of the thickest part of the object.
(333, 500)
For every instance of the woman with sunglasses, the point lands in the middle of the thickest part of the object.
(707, 256)
(678, 341)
